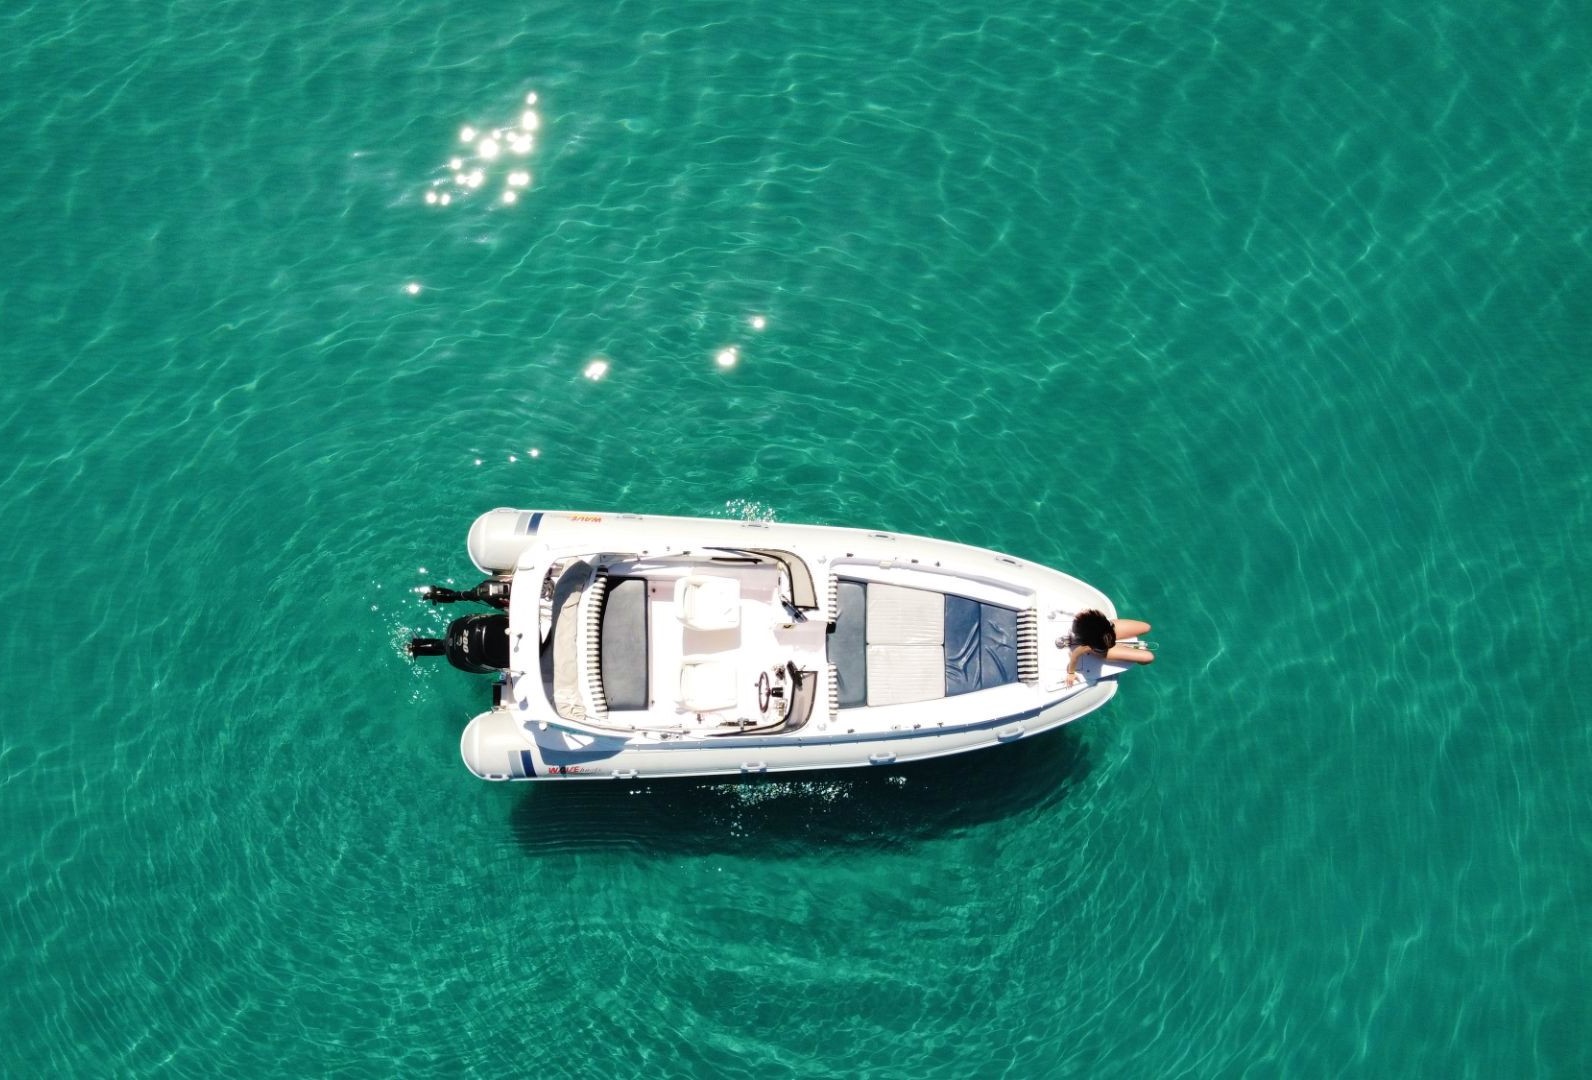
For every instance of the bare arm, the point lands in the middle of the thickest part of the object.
(1078, 651)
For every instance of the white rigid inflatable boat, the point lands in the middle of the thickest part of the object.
(630, 646)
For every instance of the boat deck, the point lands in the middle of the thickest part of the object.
(712, 633)
(696, 647)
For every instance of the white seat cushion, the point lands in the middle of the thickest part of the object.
(901, 616)
(708, 603)
(707, 685)
(899, 674)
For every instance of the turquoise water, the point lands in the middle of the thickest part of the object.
(1271, 320)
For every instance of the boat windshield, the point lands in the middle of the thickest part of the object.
(803, 595)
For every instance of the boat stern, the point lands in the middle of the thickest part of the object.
(495, 748)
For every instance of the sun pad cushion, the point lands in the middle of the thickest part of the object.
(900, 674)
(902, 616)
(980, 645)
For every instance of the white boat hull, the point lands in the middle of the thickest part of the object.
(758, 647)
(494, 747)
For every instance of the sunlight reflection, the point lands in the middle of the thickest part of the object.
(488, 149)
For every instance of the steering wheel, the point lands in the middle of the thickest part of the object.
(765, 691)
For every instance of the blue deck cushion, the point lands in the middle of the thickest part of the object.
(997, 630)
(980, 645)
(962, 661)
(848, 643)
(624, 644)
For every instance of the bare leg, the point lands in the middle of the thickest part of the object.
(1127, 654)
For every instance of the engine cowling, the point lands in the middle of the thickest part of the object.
(474, 643)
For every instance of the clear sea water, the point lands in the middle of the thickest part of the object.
(1270, 319)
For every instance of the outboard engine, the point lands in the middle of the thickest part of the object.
(475, 643)
(493, 591)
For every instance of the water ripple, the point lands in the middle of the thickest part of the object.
(1268, 324)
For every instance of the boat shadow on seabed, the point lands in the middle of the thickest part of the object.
(797, 814)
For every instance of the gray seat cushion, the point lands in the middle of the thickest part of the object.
(848, 643)
(624, 644)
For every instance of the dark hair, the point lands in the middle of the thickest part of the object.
(1093, 629)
